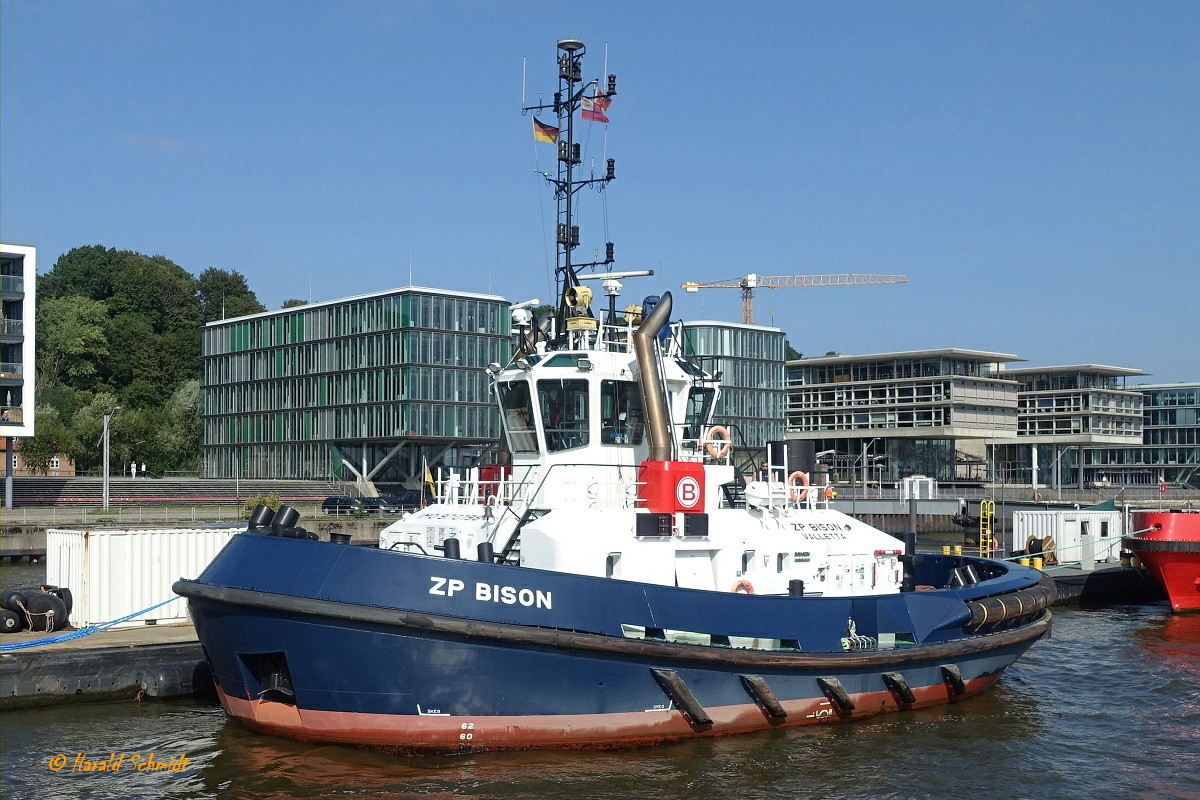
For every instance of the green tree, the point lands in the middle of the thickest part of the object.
(179, 433)
(87, 426)
(790, 353)
(71, 340)
(224, 294)
(294, 302)
(52, 438)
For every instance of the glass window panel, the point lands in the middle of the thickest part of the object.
(621, 419)
(564, 407)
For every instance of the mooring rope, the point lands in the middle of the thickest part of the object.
(90, 629)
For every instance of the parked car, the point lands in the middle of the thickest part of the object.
(408, 499)
(341, 505)
(379, 505)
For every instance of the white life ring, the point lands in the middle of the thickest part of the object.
(717, 441)
(743, 586)
(795, 480)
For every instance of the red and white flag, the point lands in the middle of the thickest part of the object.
(594, 109)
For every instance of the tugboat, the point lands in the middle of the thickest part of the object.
(614, 583)
(1168, 543)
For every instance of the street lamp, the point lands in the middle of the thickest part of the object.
(863, 462)
(104, 438)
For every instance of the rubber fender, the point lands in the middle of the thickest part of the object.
(758, 689)
(678, 691)
(834, 690)
(12, 599)
(64, 594)
(898, 686)
(41, 604)
(952, 677)
(11, 621)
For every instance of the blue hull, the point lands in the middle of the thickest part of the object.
(334, 643)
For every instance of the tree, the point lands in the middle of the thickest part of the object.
(52, 439)
(179, 433)
(71, 340)
(87, 426)
(224, 293)
(790, 353)
(293, 302)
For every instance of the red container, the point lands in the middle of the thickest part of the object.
(665, 487)
(489, 479)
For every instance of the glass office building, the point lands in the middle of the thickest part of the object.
(750, 359)
(359, 388)
(1170, 447)
(883, 416)
(1061, 410)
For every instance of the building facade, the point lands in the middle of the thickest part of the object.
(753, 393)
(18, 297)
(1061, 411)
(363, 388)
(1169, 452)
(884, 416)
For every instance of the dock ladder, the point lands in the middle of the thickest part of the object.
(987, 513)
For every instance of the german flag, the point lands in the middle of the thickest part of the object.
(543, 132)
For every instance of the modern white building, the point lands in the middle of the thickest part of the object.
(1061, 411)
(18, 296)
(883, 416)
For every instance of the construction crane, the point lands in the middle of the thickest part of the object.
(748, 283)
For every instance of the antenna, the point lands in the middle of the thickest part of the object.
(572, 91)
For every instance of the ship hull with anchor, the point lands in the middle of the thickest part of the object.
(614, 582)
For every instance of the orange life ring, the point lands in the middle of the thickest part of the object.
(829, 493)
(798, 478)
(744, 586)
(715, 449)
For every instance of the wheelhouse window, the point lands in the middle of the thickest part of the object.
(564, 407)
(699, 411)
(517, 409)
(621, 419)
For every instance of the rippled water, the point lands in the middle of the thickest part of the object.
(1108, 707)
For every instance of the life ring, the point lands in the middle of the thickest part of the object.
(717, 449)
(830, 493)
(796, 479)
(743, 586)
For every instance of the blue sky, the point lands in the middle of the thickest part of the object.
(1034, 168)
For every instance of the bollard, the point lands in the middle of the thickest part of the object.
(1023, 561)
(1135, 562)
(796, 588)
(1125, 560)
(450, 548)
(485, 552)
(1037, 562)
(958, 549)
(945, 549)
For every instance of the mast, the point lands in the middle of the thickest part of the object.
(572, 91)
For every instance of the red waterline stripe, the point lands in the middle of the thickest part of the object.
(436, 733)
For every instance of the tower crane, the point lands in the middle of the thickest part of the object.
(748, 283)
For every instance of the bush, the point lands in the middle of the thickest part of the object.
(271, 501)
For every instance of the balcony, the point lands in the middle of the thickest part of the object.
(11, 373)
(12, 331)
(12, 287)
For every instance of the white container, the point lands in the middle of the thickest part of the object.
(1066, 527)
(114, 572)
(918, 487)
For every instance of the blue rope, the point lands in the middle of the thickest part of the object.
(66, 637)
